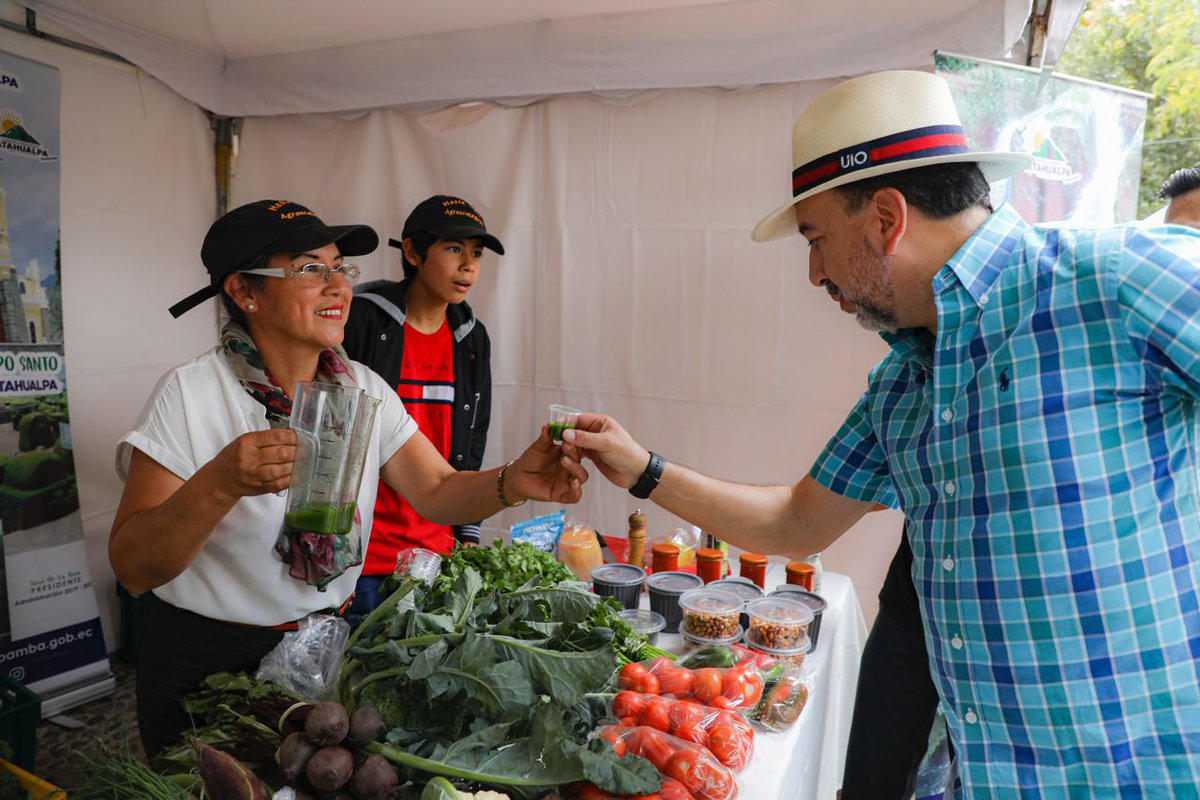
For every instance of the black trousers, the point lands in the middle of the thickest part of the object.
(179, 649)
(896, 700)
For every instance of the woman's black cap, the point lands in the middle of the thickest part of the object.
(268, 227)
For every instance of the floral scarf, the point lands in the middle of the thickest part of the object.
(315, 558)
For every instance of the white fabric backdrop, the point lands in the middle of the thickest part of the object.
(630, 285)
(137, 196)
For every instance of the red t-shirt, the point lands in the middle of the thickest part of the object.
(427, 389)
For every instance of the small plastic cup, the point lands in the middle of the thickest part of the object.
(814, 601)
(711, 613)
(622, 581)
(562, 418)
(665, 591)
(792, 656)
(779, 622)
(691, 641)
(648, 623)
(744, 588)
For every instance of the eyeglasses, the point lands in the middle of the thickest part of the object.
(309, 274)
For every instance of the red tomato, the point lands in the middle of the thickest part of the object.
(735, 721)
(675, 680)
(657, 748)
(590, 791)
(629, 675)
(659, 663)
(685, 712)
(681, 768)
(628, 704)
(627, 722)
(672, 789)
(651, 796)
(646, 684)
(707, 684)
(714, 782)
(724, 703)
(729, 746)
(656, 714)
(754, 687)
(691, 732)
(614, 737)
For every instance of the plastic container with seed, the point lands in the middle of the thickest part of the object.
(779, 622)
(792, 656)
(711, 613)
(744, 588)
(691, 641)
(813, 601)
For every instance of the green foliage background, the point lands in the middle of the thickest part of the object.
(1152, 46)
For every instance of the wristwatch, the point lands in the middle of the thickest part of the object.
(647, 482)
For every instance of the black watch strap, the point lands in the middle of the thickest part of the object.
(647, 482)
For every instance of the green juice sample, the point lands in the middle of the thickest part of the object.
(557, 428)
(331, 518)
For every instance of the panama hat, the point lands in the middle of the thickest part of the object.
(874, 125)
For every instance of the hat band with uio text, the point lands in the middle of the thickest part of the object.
(934, 140)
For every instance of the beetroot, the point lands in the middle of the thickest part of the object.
(327, 724)
(330, 769)
(375, 779)
(293, 755)
(366, 725)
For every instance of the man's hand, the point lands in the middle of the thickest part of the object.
(546, 471)
(614, 452)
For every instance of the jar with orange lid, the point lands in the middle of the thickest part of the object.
(710, 564)
(800, 573)
(754, 567)
(664, 557)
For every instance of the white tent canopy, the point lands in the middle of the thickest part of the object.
(630, 284)
(239, 58)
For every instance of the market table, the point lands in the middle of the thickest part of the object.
(806, 762)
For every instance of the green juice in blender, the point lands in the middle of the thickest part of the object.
(330, 518)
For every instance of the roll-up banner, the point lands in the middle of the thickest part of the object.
(50, 635)
(1085, 138)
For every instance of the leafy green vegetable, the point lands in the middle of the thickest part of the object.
(439, 789)
(503, 567)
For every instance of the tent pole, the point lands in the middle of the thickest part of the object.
(225, 145)
(30, 28)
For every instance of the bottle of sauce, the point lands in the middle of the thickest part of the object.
(710, 564)
(664, 557)
(637, 538)
(754, 567)
(800, 573)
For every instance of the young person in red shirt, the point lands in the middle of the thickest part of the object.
(423, 338)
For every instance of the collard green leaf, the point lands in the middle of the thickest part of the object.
(440, 789)
(566, 677)
(628, 774)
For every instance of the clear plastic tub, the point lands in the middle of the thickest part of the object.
(744, 588)
(711, 613)
(691, 641)
(812, 600)
(793, 656)
(665, 591)
(646, 622)
(622, 581)
(779, 622)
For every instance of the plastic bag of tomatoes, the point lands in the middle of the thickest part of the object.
(704, 777)
(728, 688)
(671, 789)
(725, 734)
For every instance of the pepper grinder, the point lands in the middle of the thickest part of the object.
(637, 538)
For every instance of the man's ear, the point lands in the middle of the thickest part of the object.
(410, 252)
(891, 210)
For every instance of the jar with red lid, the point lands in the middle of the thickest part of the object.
(754, 567)
(710, 564)
(664, 557)
(800, 573)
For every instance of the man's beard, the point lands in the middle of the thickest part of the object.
(872, 316)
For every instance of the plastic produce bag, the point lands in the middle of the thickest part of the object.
(542, 531)
(579, 549)
(670, 789)
(701, 774)
(783, 699)
(728, 688)
(686, 539)
(725, 734)
(308, 660)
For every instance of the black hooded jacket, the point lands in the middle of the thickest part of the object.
(375, 337)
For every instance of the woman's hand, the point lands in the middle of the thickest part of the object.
(546, 471)
(614, 452)
(256, 463)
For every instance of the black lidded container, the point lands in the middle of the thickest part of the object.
(812, 600)
(622, 581)
(744, 588)
(665, 589)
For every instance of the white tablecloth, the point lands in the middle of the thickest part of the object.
(806, 762)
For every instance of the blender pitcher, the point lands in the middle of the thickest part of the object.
(333, 427)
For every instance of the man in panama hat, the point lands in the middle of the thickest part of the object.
(1035, 419)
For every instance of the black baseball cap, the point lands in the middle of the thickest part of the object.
(268, 227)
(446, 217)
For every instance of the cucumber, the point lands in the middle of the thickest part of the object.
(716, 655)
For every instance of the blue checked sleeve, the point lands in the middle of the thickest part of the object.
(1158, 290)
(853, 464)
